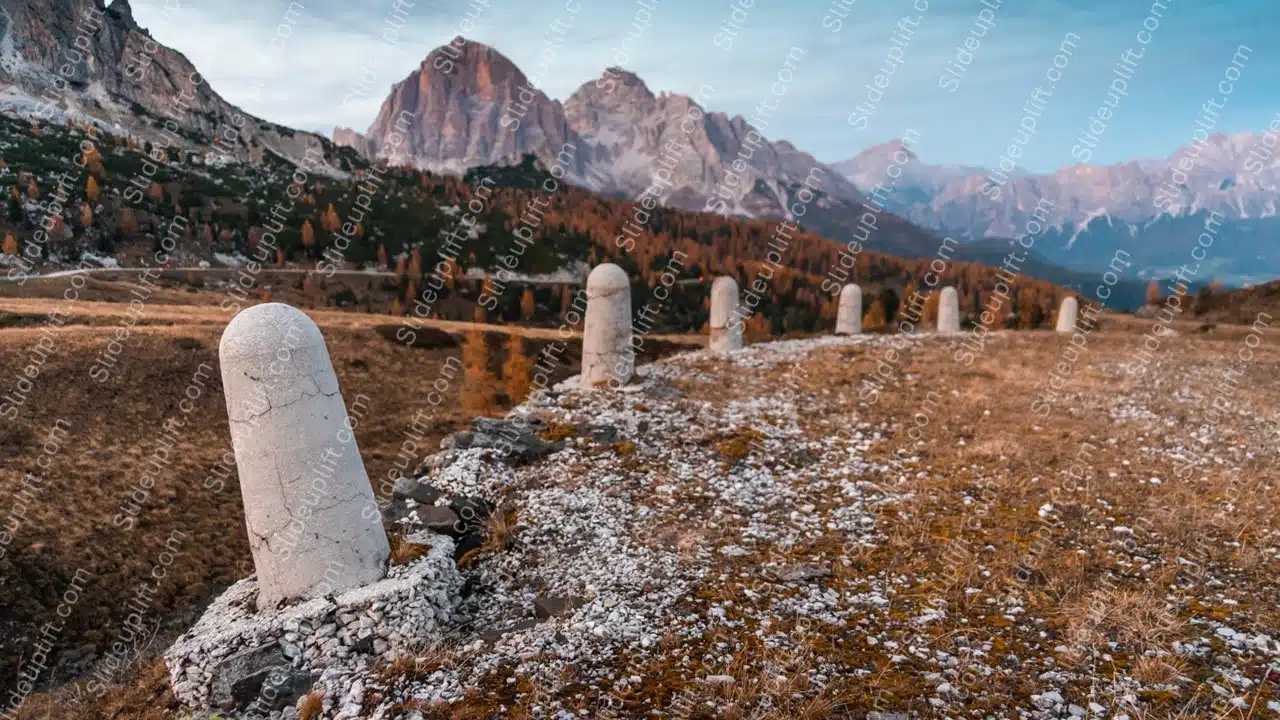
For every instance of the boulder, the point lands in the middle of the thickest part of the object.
(441, 520)
(604, 434)
(473, 512)
(261, 677)
(415, 490)
(804, 573)
(466, 545)
(393, 512)
(493, 635)
(518, 442)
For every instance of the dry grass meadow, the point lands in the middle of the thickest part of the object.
(1089, 517)
(109, 431)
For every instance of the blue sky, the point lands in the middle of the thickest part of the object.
(336, 43)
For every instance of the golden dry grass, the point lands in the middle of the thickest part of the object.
(404, 552)
(969, 520)
(974, 487)
(311, 706)
(112, 432)
(499, 533)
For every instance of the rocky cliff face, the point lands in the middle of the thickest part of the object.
(81, 59)
(483, 112)
(1095, 209)
(478, 112)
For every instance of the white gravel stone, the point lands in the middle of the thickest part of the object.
(427, 590)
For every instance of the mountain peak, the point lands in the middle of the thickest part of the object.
(470, 106)
(625, 77)
(466, 68)
(463, 52)
(118, 83)
(122, 10)
(887, 150)
(1087, 209)
(615, 85)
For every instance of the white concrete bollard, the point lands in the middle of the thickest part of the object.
(849, 314)
(607, 356)
(1067, 314)
(314, 526)
(948, 312)
(726, 335)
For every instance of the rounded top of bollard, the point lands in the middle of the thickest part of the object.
(608, 276)
(1070, 301)
(265, 328)
(849, 291)
(724, 284)
(948, 290)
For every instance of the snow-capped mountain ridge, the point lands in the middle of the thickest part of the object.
(1154, 204)
(1228, 176)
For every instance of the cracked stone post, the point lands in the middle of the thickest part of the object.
(313, 522)
(849, 314)
(1067, 314)
(949, 312)
(726, 335)
(606, 336)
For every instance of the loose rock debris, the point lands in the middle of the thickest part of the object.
(710, 542)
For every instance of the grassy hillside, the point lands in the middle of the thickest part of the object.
(399, 221)
(110, 429)
(1241, 306)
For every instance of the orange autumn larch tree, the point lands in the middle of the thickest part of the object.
(128, 223)
(527, 305)
(515, 371)
(1153, 293)
(479, 383)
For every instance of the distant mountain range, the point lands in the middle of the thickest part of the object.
(626, 141)
(483, 111)
(1094, 210)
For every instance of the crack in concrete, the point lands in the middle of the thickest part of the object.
(271, 406)
(306, 521)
